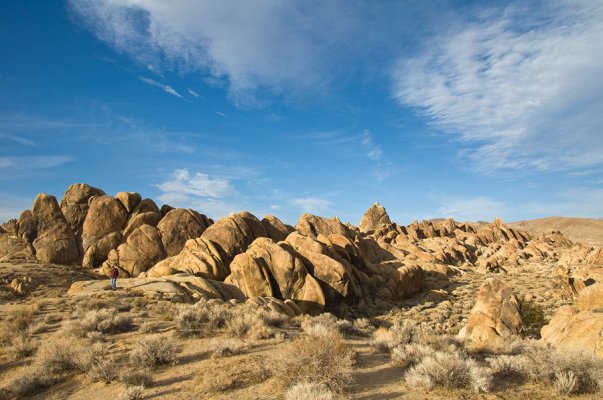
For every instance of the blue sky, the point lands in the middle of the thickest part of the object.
(473, 110)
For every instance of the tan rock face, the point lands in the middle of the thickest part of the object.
(312, 226)
(98, 252)
(13, 248)
(74, 206)
(144, 206)
(373, 218)
(496, 314)
(105, 215)
(270, 270)
(54, 242)
(591, 298)
(180, 225)
(147, 218)
(275, 228)
(233, 234)
(129, 200)
(142, 250)
(198, 257)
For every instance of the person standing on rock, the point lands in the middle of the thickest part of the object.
(113, 273)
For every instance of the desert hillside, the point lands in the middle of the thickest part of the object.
(253, 308)
(585, 230)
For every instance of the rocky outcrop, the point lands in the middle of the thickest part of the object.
(495, 315)
(579, 328)
(142, 250)
(275, 228)
(180, 225)
(312, 226)
(13, 248)
(373, 218)
(270, 270)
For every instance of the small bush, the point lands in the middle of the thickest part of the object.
(154, 350)
(576, 372)
(98, 364)
(201, 318)
(137, 377)
(229, 347)
(507, 366)
(315, 325)
(22, 346)
(29, 382)
(272, 318)
(309, 390)
(58, 355)
(325, 360)
(449, 370)
(248, 325)
(533, 318)
(103, 320)
(16, 325)
(407, 332)
(133, 393)
(565, 382)
(405, 356)
(149, 327)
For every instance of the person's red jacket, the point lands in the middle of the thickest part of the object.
(114, 272)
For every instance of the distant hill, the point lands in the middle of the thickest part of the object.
(585, 230)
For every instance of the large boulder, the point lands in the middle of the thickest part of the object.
(312, 226)
(199, 257)
(275, 228)
(373, 218)
(74, 206)
(106, 216)
(129, 200)
(267, 269)
(146, 218)
(142, 250)
(495, 315)
(579, 329)
(13, 248)
(180, 225)
(54, 241)
(233, 234)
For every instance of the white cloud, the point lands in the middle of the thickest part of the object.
(312, 205)
(221, 114)
(281, 46)
(373, 151)
(166, 88)
(521, 94)
(16, 139)
(32, 162)
(479, 208)
(193, 93)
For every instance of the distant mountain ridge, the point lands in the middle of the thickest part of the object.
(585, 230)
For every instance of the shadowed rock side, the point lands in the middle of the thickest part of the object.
(374, 217)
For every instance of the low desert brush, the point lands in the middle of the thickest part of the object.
(154, 350)
(226, 347)
(107, 320)
(248, 324)
(137, 377)
(29, 382)
(324, 359)
(201, 318)
(309, 390)
(133, 393)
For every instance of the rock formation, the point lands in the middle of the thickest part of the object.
(374, 217)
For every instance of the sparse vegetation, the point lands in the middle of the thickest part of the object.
(154, 350)
(133, 393)
(309, 390)
(103, 320)
(226, 347)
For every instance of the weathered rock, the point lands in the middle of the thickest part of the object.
(495, 315)
(28, 226)
(179, 288)
(74, 206)
(373, 218)
(199, 257)
(275, 228)
(106, 215)
(579, 329)
(147, 218)
(98, 252)
(180, 225)
(166, 208)
(13, 248)
(144, 206)
(129, 200)
(54, 242)
(267, 269)
(312, 226)
(142, 250)
(11, 226)
(233, 234)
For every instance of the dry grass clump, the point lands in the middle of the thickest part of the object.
(21, 346)
(270, 317)
(327, 322)
(309, 390)
(149, 327)
(227, 347)
(324, 359)
(246, 323)
(232, 375)
(29, 382)
(576, 373)
(137, 377)
(510, 366)
(58, 355)
(133, 393)
(407, 332)
(201, 318)
(154, 350)
(106, 320)
(16, 331)
(98, 364)
(405, 356)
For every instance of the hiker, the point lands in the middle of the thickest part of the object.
(113, 273)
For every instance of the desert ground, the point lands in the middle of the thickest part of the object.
(250, 309)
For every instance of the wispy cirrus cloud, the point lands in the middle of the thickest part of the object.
(312, 205)
(32, 162)
(16, 139)
(166, 88)
(520, 92)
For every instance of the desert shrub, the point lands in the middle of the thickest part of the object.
(228, 376)
(149, 327)
(201, 318)
(58, 355)
(482, 378)
(575, 373)
(137, 377)
(29, 382)
(510, 366)
(309, 390)
(407, 332)
(154, 350)
(104, 320)
(363, 327)
(533, 318)
(16, 323)
(317, 324)
(565, 382)
(325, 360)
(449, 370)
(133, 393)
(248, 324)
(271, 318)
(98, 364)
(407, 355)
(22, 346)
(228, 347)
